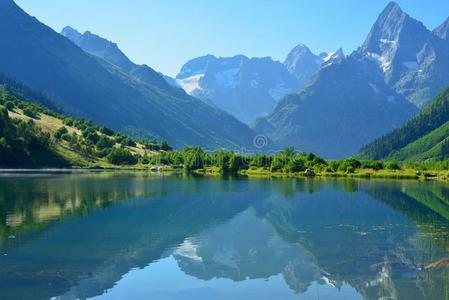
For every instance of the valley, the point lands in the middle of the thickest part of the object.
(224, 150)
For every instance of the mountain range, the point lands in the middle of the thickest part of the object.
(109, 89)
(398, 69)
(329, 104)
(249, 88)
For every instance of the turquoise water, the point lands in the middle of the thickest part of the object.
(136, 236)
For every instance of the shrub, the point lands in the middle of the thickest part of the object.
(296, 164)
(68, 138)
(145, 160)
(260, 161)
(350, 169)
(104, 142)
(81, 127)
(5, 148)
(4, 118)
(91, 135)
(194, 158)
(104, 152)
(29, 112)
(152, 146)
(392, 165)
(372, 164)
(349, 165)
(120, 156)
(9, 105)
(60, 132)
(67, 121)
(106, 130)
(165, 146)
(119, 138)
(128, 142)
(277, 164)
(237, 163)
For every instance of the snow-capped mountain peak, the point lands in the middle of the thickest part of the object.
(394, 42)
(333, 57)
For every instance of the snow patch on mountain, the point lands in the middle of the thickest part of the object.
(383, 62)
(333, 57)
(188, 249)
(191, 84)
(385, 41)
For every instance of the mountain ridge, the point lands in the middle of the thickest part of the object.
(245, 87)
(329, 119)
(86, 86)
(250, 87)
(401, 64)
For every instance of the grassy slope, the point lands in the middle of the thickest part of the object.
(419, 138)
(426, 147)
(51, 124)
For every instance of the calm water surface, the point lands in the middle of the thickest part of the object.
(135, 236)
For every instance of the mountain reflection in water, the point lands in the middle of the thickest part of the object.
(134, 235)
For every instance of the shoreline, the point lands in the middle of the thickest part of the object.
(250, 173)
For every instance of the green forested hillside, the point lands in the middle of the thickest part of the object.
(22, 144)
(424, 137)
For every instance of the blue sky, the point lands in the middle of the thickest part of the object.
(164, 34)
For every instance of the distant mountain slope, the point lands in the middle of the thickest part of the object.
(110, 52)
(85, 85)
(341, 110)
(423, 137)
(101, 47)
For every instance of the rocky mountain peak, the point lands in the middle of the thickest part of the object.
(386, 31)
(442, 31)
(394, 42)
(297, 56)
(302, 63)
(98, 46)
(71, 33)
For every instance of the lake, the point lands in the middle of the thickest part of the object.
(144, 236)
